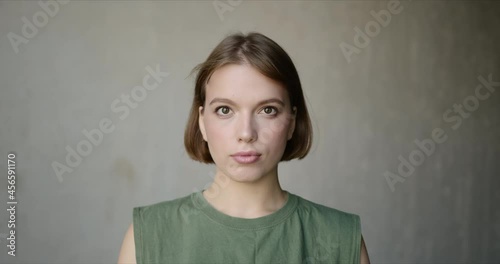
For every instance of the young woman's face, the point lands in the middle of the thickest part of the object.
(246, 120)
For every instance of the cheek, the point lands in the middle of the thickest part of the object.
(217, 132)
(215, 141)
(274, 132)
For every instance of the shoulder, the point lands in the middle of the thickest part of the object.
(342, 229)
(148, 225)
(323, 213)
(162, 208)
(308, 207)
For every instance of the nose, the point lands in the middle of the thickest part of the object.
(247, 131)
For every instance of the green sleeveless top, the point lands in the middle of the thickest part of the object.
(190, 230)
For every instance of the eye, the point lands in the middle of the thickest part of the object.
(269, 110)
(222, 110)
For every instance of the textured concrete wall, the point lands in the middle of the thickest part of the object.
(413, 78)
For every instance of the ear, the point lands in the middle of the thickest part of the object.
(291, 127)
(201, 124)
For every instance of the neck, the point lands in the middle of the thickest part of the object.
(246, 199)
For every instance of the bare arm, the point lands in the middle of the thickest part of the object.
(127, 252)
(364, 253)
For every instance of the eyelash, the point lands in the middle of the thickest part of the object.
(220, 107)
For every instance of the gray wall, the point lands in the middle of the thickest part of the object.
(367, 112)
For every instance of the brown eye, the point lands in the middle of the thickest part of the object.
(223, 110)
(270, 110)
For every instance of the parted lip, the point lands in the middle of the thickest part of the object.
(246, 153)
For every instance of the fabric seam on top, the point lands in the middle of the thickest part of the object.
(139, 254)
(286, 216)
(357, 240)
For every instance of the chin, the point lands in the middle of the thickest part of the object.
(244, 175)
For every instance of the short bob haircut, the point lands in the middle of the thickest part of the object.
(269, 59)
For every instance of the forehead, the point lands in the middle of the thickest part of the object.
(245, 83)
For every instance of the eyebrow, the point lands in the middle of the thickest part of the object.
(228, 101)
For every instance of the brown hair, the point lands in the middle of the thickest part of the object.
(269, 59)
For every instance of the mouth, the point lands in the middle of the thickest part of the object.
(246, 157)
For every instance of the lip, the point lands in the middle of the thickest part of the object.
(246, 157)
(246, 153)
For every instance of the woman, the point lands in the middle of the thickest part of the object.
(248, 114)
